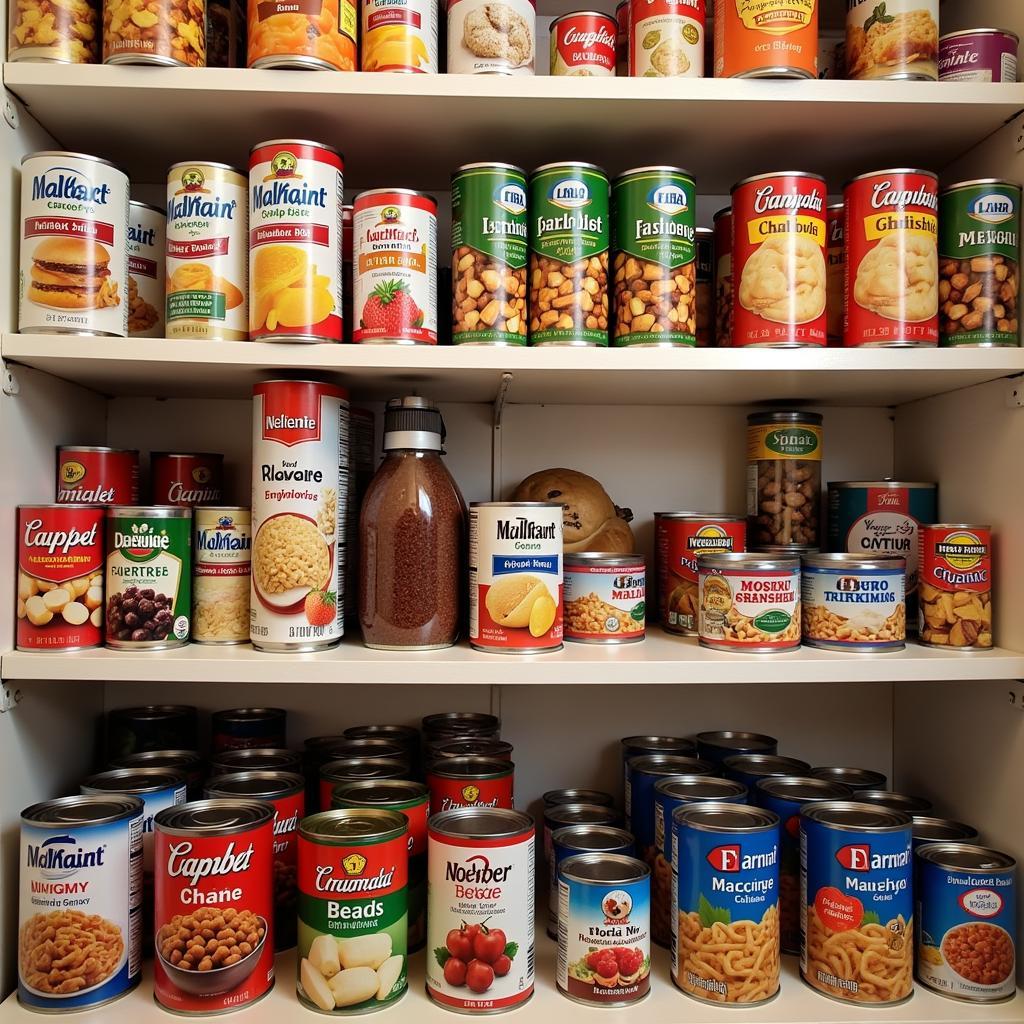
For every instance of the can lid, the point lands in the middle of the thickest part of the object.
(653, 168)
(413, 423)
(669, 764)
(725, 817)
(459, 746)
(592, 837)
(829, 559)
(64, 153)
(383, 792)
(955, 526)
(732, 739)
(206, 163)
(348, 769)
(363, 198)
(370, 746)
(892, 170)
(265, 785)
(936, 830)
(577, 796)
(83, 810)
(715, 517)
(581, 814)
(766, 765)
(755, 419)
(797, 789)
(353, 823)
(749, 560)
(700, 787)
(295, 142)
(159, 759)
(257, 759)
(490, 166)
(569, 165)
(777, 174)
(855, 778)
(605, 868)
(878, 485)
(600, 558)
(134, 780)
(481, 823)
(469, 766)
(851, 816)
(463, 721)
(638, 745)
(404, 734)
(725, 211)
(959, 856)
(896, 801)
(154, 712)
(949, 189)
(980, 32)
(205, 817)
(105, 449)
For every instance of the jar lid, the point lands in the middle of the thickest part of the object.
(413, 422)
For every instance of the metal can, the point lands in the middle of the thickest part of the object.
(74, 246)
(895, 801)
(151, 727)
(225, 34)
(480, 874)
(295, 199)
(679, 537)
(461, 723)
(577, 812)
(369, 746)
(979, 264)
(766, 39)
(220, 586)
(622, 38)
(245, 728)
(956, 586)
(705, 292)
(750, 769)
(716, 745)
(342, 770)
(604, 939)
(255, 759)
(654, 241)
(173, 35)
(399, 36)
(55, 33)
(319, 37)
(487, 40)
(95, 475)
(405, 736)
(927, 829)
(90, 846)
(207, 252)
(470, 782)
(732, 851)
(147, 244)
(575, 839)
(470, 746)
(605, 598)
(723, 277)
(778, 254)
(901, 41)
(148, 577)
(642, 773)
(214, 866)
(835, 264)
(395, 265)
(854, 778)
(583, 43)
(667, 38)
(554, 797)
(569, 239)
(186, 479)
(641, 746)
(189, 763)
(978, 55)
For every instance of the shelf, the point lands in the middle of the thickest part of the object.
(413, 130)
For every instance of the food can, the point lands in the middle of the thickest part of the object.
(716, 745)
(172, 33)
(316, 37)
(186, 762)
(622, 38)
(469, 782)
(978, 55)
(480, 909)
(469, 746)
(857, 905)
(604, 938)
(245, 728)
(487, 39)
(369, 746)
(151, 727)
(554, 797)
(186, 479)
(214, 872)
(575, 839)
(730, 851)
(750, 769)
(147, 244)
(766, 39)
(343, 770)
(855, 778)
(641, 746)
(927, 829)
(979, 264)
(55, 33)
(569, 239)
(666, 38)
(835, 264)
(300, 437)
(679, 538)
(723, 277)
(222, 544)
(895, 801)
(956, 586)
(395, 265)
(405, 736)
(207, 252)
(654, 241)
(74, 246)
(749, 603)
(295, 200)
(583, 43)
(578, 812)
(255, 759)
(148, 577)
(705, 287)
(94, 475)
(460, 723)
(225, 34)
(900, 40)
(605, 598)
(90, 846)
(489, 249)
(399, 36)
(778, 253)
(642, 773)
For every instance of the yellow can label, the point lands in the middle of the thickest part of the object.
(784, 441)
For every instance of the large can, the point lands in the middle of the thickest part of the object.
(54, 33)
(723, 277)
(716, 745)
(605, 598)
(489, 249)
(399, 36)
(835, 262)
(214, 873)
(641, 746)
(642, 774)
(575, 839)
(470, 782)
(927, 829)
(666, 38)
(460, 723)
(186, 478)
(979, 263)
(896, 801)
(956, 586)
(491, 39)
(295, 253)
(583, 43)
(299, 500)
(557, 797)
(766, 39)
(74, 246)
(406, 736)
(899, 41)
(255, 759)
(705, 287)
(654, 241)
(147, 244)
(978, 55)
(480, 912)
(89, 846)
(515, 576)
(750, 769)
(222, 544)
(248, 728)
(319, 36)
(569, 239)
(207, 252)
(173, 34)
(95, 475)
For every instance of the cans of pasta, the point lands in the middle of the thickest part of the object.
(899, 39)
(220, 564)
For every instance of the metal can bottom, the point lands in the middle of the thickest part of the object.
(716, 645)
(299, 339)
(610, 641)
(60, 650)
(396, 341)
(679, 630)
(760, 1002)
(304, 648)
(902, 76)
(476, 1012)
(780, 71)
(215, 1013)
(146, 58)
(959, 650)
(965, 999)
(306, 1004)
(294, 62)
(514, 650)
(58, 1006)
(25, 54)
(866, 648)
(145, 645)
(618, 1004)
(567, 344)
(853, 1002)
(410, 647)
(219, 643)
(69, 331)
(983, 344)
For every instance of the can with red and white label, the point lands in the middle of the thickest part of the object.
(147, 242)
(470, 781)
(186, 479)
(667, 38)
(60, 577)
(583, 43)
(955, 589)
(95, 475)
(605, 597)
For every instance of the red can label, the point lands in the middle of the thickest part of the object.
(955, 591)
(448, 793)
(288, 812)
(94, 476)
(778, 258)
(835, 258)
(583, 44)
(187, 480)
(891, 288)
(60, 578)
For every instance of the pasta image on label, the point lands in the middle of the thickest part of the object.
(895, 39)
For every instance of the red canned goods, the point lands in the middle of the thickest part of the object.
(187, 479)
(470, 782)
(723, 277)
(214, 872)
(891, 290)
(583, 43)
(92, 475)
(835, 263)
(622, 38)
(241, 728)
(667, 38)
(60, 577)
(356, 769)
(778, 257)
(955, 590)
(470, 746)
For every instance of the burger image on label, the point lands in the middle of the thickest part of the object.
(72, 273)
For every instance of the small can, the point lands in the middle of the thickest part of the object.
(723, 277)
(55, 34)
(319, 37)
(604, 937)
(188, 763)
(395, 266)
(766, 39)
(186, 479)
(480, 874)
(654, 242)
(750, 769)
(955, 604)
(147, 244)
(978, 55)
(927, 829)
(207, 252)
(342, 770)
(583, 43)
(94, 475)
(148, 577)
(151, 727)
(470, 746)
(642, 774)
(245, 728)
(605, 598)
(854, 778)
(622, 38)
(716, 745)
(222, 544)
(255, 759)
(175, 37)
(214, 866)
(470, 782)
(667, 38)
(778, 253)
(835, 263)
(902, 41)
(74, 246)
(60, 577)
(705, 287)
(461, 723)
(575, 839)
(979, 264)
(569, 239)
(484, 39)
(895, 801)
(578, 812)
(295, 199)
(90, 846)
(731, 851)
(399, 36)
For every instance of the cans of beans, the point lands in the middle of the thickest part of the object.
(835, 262)
(55, 33)
(901, 41)
(147, 242)
(979, 264)
(605, 598)
(399, 36)
(186, 479)
(723, 277)
(570, 236)
(705, 287)
(583, 43)
(470, 782)
(978, 55)
(575, 839)
(666, 38)
(321, 37)
(484, 39)
(171, 33)
(766, 39)
(248, 728)
(222, 544)
(750, 769)
(655, 257)
(94, 475)
(955, 598)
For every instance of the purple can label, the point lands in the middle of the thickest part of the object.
(984, 55)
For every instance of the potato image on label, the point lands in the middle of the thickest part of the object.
(510, 601)
(785, 281)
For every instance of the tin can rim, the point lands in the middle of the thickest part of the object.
(568, 834)
(955, 526)
(823, 559)
(707, 817)
(955, 856)
(664, 168)
(676, 785)
(369, 193)
(238, 816)
(604, 558)
(77, 156)
(631, 869)
(515, 504)
(324, 773)
(149, 512)
(922, 821)
(750, 761)
(777, 785)
(417, 792)
(484, 165)
(581, 164)
(438, 718)
(251, 753)
(186, 756)
(980, 32)
(147, 206)
(383, 730)
(555, 811)
(757, 419)
(246, 714)
(832, 813)
(724, 211)
(693, 516)
(579, 14)
(62, 504)
(287, 784)
(327, 829)
(777, 174)
(956, 186)
(36, 814)
(208, 163)
(654, 739)
(689, 765)
(186, 455)
(888, 485)
(457, 823)
(726, 737)
(158, 779)
(485, 767)
(221, 508)
(891, 170)
(105, 449)
(895, 800)
(295, 142)
(837, 772)
(750, 559)
(552, 798)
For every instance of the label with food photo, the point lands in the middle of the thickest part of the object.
(491, 38)
(147, 230)
(400, 35)
(170, 33)
(955, 592)
(605, 598)
(317, 34)
(66, 33)
(666, 38)
(892, 39)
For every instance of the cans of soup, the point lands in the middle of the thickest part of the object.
(186, 478)
(718, 744)
(470, 782)
(96, 475)
(583, 43)
(855, 778)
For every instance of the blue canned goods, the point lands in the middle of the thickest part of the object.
(638, 800)
(725, 925)
(643, 746)
(857, 902)
(895, 801)
(966, 921)
(856, 778)
(556, 817)
(751, 768)
(717, 745)
(927, 829)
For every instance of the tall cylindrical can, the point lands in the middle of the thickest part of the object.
(186, 478)
(716, 745)
(955, 593)
(255, 759)
(55, 34)
(95, 475)
(221, 552)
(835, 262)
(491, 40)
(583, 43)
(343, 770)
(899, 40)
(147, 244)
(133, 730)
(174, 34)
(666, 38)
(723, 277)
(399, 36)
(470, 782)
(766, 39)
(319, 36)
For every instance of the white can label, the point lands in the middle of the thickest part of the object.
(665, 41)
(399, 35)
(605, 602)
(741, 608)
(487, 38)
(220, 588)
(854, 607)
(147, 240)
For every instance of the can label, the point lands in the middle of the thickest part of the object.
(395, 238)
(835, 264)
(484, 39)
(186, 480)
(984, 55)
(70, 35)
(754, 36)
(147, 243)
(723, 279)
(955, 596)
(222, 550)
(899, 41)
(400, 36)
(605, 602)
(449, 793)
(844, 607)
(288, 812)
(97, 477)
(583, 44)
(318, 33)
(175, 35)
(789, 866)
(667, 38)
(750, 609)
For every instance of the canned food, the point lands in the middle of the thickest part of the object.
(716, 745)
(187, 762)
(147, 244)
(569, 241)
(732, 851)
(766, 39)
(554, 797)
(255, 759)
(461, 723)
(242, 728)
(901, 43)
(605, 598)
(856, 932)
(723, 277)
(575, 839)
(172, 34)
(220, 586)
(480, 912)
(370, 747)
(835, 264)
(576, 812)
(855, 778)
(90, 846)
(470, 747)
(978, 55)
(469, 782)
(956, 586)
(295, 200)
(895, 801)
(186, 479)
(55, 33)
(750, 769)
(343, 770)
(74, 245)
(407, 736)
(321, 38)
(225, 34)
(622, 38)
(666, 38)
(926, 829)
(148, 577)
(152, 727)
(399, 36)
(654, 240)
(484, 39)
(640, 746)
(705, 287)
(778, 255)
(583, 43)
(353, 909)
(94, 475)
(395, 265)
(207, 252)
(642, 773)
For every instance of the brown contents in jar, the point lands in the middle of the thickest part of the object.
(978, 294)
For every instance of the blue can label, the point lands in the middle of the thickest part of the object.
(855, 608)
(558, 854)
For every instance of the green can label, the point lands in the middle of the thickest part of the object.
(208, 305)
(979, 264)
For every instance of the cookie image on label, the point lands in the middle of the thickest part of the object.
(898, 279)
(779, 287)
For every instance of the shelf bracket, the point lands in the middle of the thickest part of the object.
(8, 382)
(10, 111)
(9, 699)
(504, 387)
